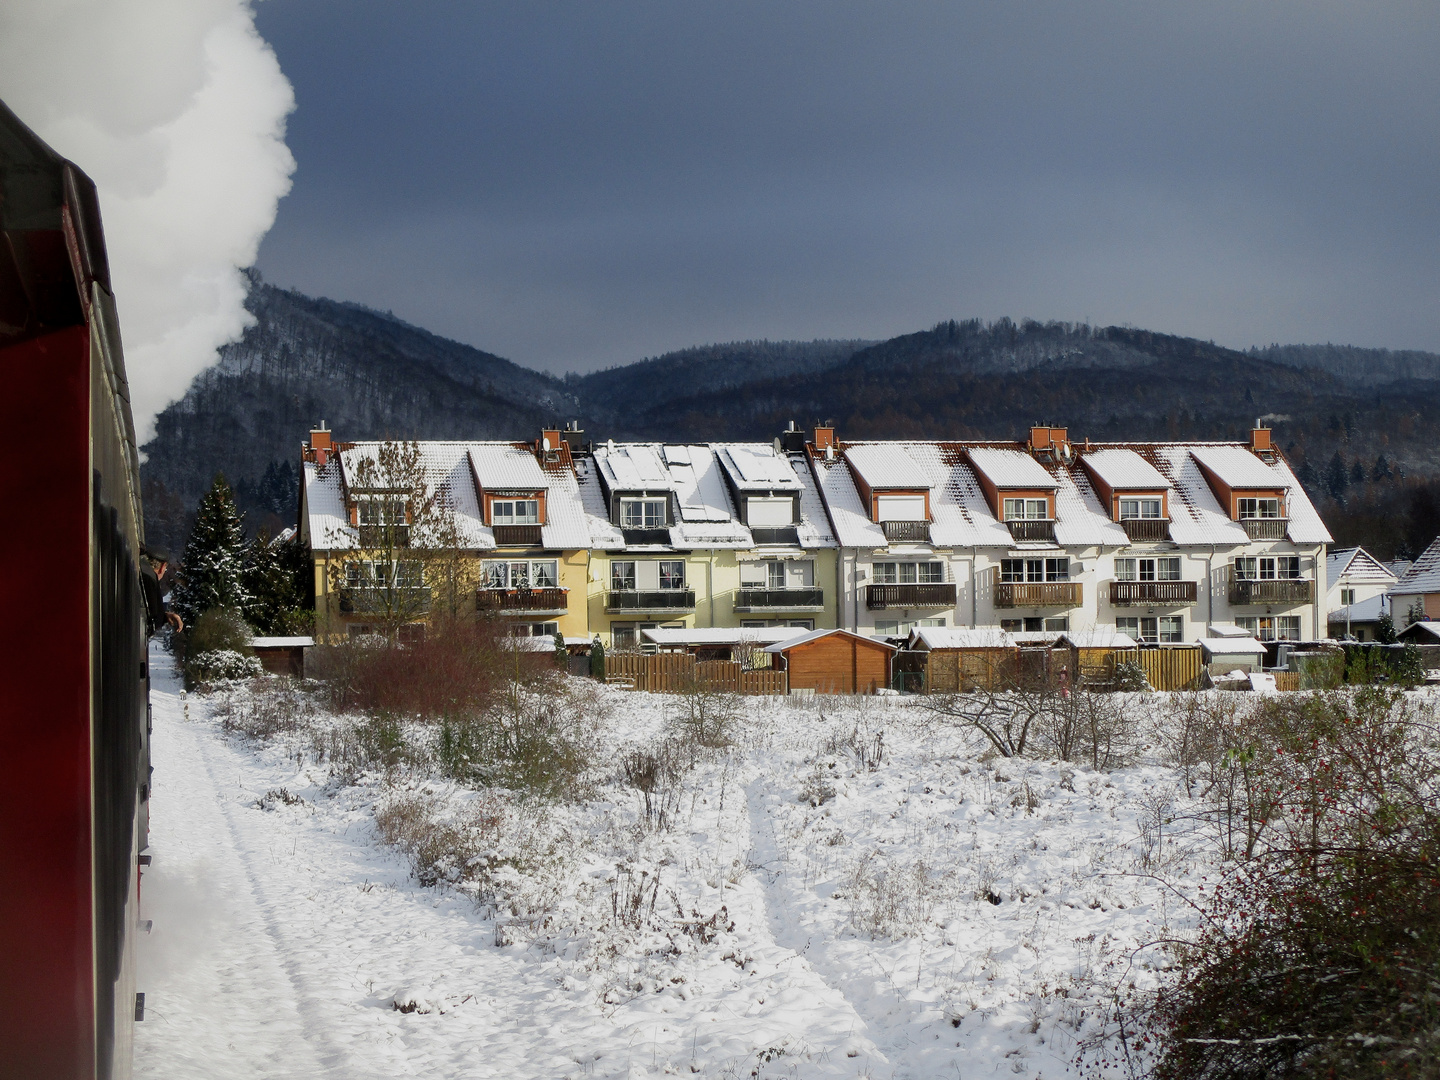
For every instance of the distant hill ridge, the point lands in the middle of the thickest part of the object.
(369, 374)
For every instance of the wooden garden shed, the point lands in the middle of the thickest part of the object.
(835, 662)
(1095, 654)
(959, 659)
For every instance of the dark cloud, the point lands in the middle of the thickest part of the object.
(575, 185)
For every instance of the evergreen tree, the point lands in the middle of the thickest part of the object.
(1305, 473)
(276, 575)
(1357, 473)
(1385, 629)
(212, 572)
(1381, 471)
(1336, 478)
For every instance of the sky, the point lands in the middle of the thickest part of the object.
(580, 185)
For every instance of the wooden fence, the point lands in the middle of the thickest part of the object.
(1170, 669)
(668, 673)
(1287, 680)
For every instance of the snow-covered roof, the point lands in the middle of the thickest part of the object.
(280, 642)
(1080, 517)
(1101, 637)
(853, 527)
(816, 635)
(814, 528)
(1010, 468)
(1196, 516)
(633, 466)
(886, 466)
(566, 527)
(1355, 564)
(1231, 646)
(756, 466)
(961, 637)
(1305, 526)
(722, 635)
(1423, 628)
(1125, 470)
(1423, 575)
(1227, 629)
(1037, 637)
(1235, 466)
(1367, 610)
(506, 467)
(960, 516)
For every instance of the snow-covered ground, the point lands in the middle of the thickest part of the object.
(937, 912)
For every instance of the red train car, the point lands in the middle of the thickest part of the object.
(74, 719)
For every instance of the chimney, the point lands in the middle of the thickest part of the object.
(824, 438)
(550, 439)
(573, 436)
(321, 444)
(1260, 437)
(792, 439)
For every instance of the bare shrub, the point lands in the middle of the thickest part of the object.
(655, 773)
(269, 707)
(633, 897)
(443, 849)
(708, 715)
(890, 901)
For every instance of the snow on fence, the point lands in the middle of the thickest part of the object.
(673, 672)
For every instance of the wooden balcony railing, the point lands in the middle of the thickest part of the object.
(404, 600)
(1159, 593)
(650, 600)
(780, 600)
(934, 594)
(1032, 530)
(532, 600)
(518, 535)
(911, 531)
(1146, 528)
(382, 537)
(1271, 591)
(1265, 528)
(1010, 594)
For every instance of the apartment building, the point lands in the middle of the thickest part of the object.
(691, 536)
(400, 532)
(1166, 542)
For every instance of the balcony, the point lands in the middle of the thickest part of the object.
(914, 532)
(650, 600)
(1271, 591)
(775, 534)
(1265, 528)
(1156, 593)
(1032, 530)
(1146, 529)
(523, 601)
(1012, 594)
(518, 535)
(402, 600)
(934, 594)
(780, 600)
(382, 537)
(645, 536)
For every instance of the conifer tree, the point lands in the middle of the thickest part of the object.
(212, 572)
(275, 576)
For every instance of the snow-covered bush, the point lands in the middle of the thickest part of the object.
(216, 664)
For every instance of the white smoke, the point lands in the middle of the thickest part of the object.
(176, 109)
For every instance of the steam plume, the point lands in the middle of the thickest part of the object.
(176, 109)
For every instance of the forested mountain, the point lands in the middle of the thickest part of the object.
(1352, 420)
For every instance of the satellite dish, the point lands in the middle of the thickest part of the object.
(777, 447)
(545, 443)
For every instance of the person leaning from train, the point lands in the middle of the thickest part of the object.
(152, 572)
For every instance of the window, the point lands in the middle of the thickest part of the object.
(1172, 629)
(887, 628)
(1027, 509)
(1347, 597)
(1271, 627)
(902, 627)
(622, 576)
(909, 573)
(769, 512)
(1021, 626)
(375, 511)
(901, 507)
(1060, 625)
(1139, 627)
(357, 630)
(412, 634)
(672, 573)
(515, 512)
(372, 574)
(1139, 508)
(1161, 569)
(642, 513)
(1012, 626)
(1018, 570)
(778, 574)
(1258, 508)
(623, 635)
(539, 574)
(1267, 567)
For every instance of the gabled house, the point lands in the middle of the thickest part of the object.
(1356, 584)
(1416, 596)
(401, 532)
(700, 535)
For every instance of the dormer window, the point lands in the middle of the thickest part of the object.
(378, 511)
(769, 511)
(642, 513)
(515, 512)
(1141, 509)
(1027, 509)
(1254, 509)
(900, 507)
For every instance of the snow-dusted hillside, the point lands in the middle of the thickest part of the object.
(849, 889)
